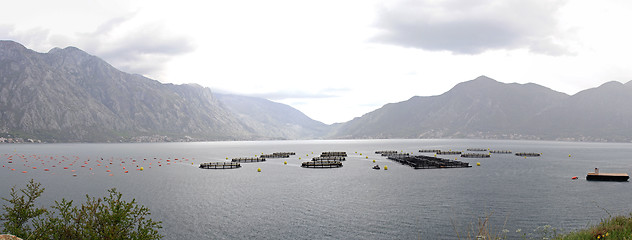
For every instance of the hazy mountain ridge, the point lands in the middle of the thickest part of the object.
(273, 120)
(68, 95)
(485, 108)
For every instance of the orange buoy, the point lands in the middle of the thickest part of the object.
(574, 178)
(24, 172)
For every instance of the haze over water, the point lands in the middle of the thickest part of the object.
(352, 202)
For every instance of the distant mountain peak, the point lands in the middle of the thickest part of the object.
(69, 50)
(483, 77)
(10, 44)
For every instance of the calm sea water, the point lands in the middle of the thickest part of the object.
(352, 202)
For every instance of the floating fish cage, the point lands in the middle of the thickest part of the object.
(449, 152)
(527, 154)
(285, 153)
(500, 151)
(220, 165)
(475, 155)
(333, 154)
(385, 152)
(427, 162)
(396, 154)
(429, 151)
(249, 160)
(322, 164)
(477, 149)
(275, 155)
(330, 158)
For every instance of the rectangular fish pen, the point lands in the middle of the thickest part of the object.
(332, 158)
(475, 155)
(427, 162)
(333, 154)
(527, 154)
(275, 155)
(322, 164)
(248, 160)
(220, 165)
(500, 151)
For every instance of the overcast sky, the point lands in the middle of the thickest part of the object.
(338, 59)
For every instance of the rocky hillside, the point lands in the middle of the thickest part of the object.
(273, 120)
(485, 108)
(69, 95)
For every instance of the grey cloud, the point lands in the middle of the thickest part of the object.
(143, 50)
(35, 38)
(472, 27)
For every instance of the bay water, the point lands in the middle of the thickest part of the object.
(519, 196)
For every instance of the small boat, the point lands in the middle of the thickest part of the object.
(376, 167)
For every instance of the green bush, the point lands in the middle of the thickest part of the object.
(109, 217)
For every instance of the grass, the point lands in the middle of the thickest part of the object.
(619, 227)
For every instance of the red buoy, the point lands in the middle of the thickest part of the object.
(574, 178)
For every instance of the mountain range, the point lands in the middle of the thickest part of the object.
(68, 95)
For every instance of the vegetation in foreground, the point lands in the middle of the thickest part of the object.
(619, 228)
(109, 217)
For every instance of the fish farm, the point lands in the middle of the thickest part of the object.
(332, 158)
(220, 165)
(322, 164)
(449, 152)
(526, 154)
(385, 152)
(333, 154)
(475, 155)
(500, 151)
(275, 155)
(429, 151)
(426, 162)
(477, 149)
(249, 159)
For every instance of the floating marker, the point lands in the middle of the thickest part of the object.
(258, 169)
(285, 162)
(478, 164)
(385, 167)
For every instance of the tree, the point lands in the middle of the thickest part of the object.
(109, 217)
(21, 209)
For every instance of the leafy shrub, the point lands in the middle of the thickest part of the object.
(109, 217)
